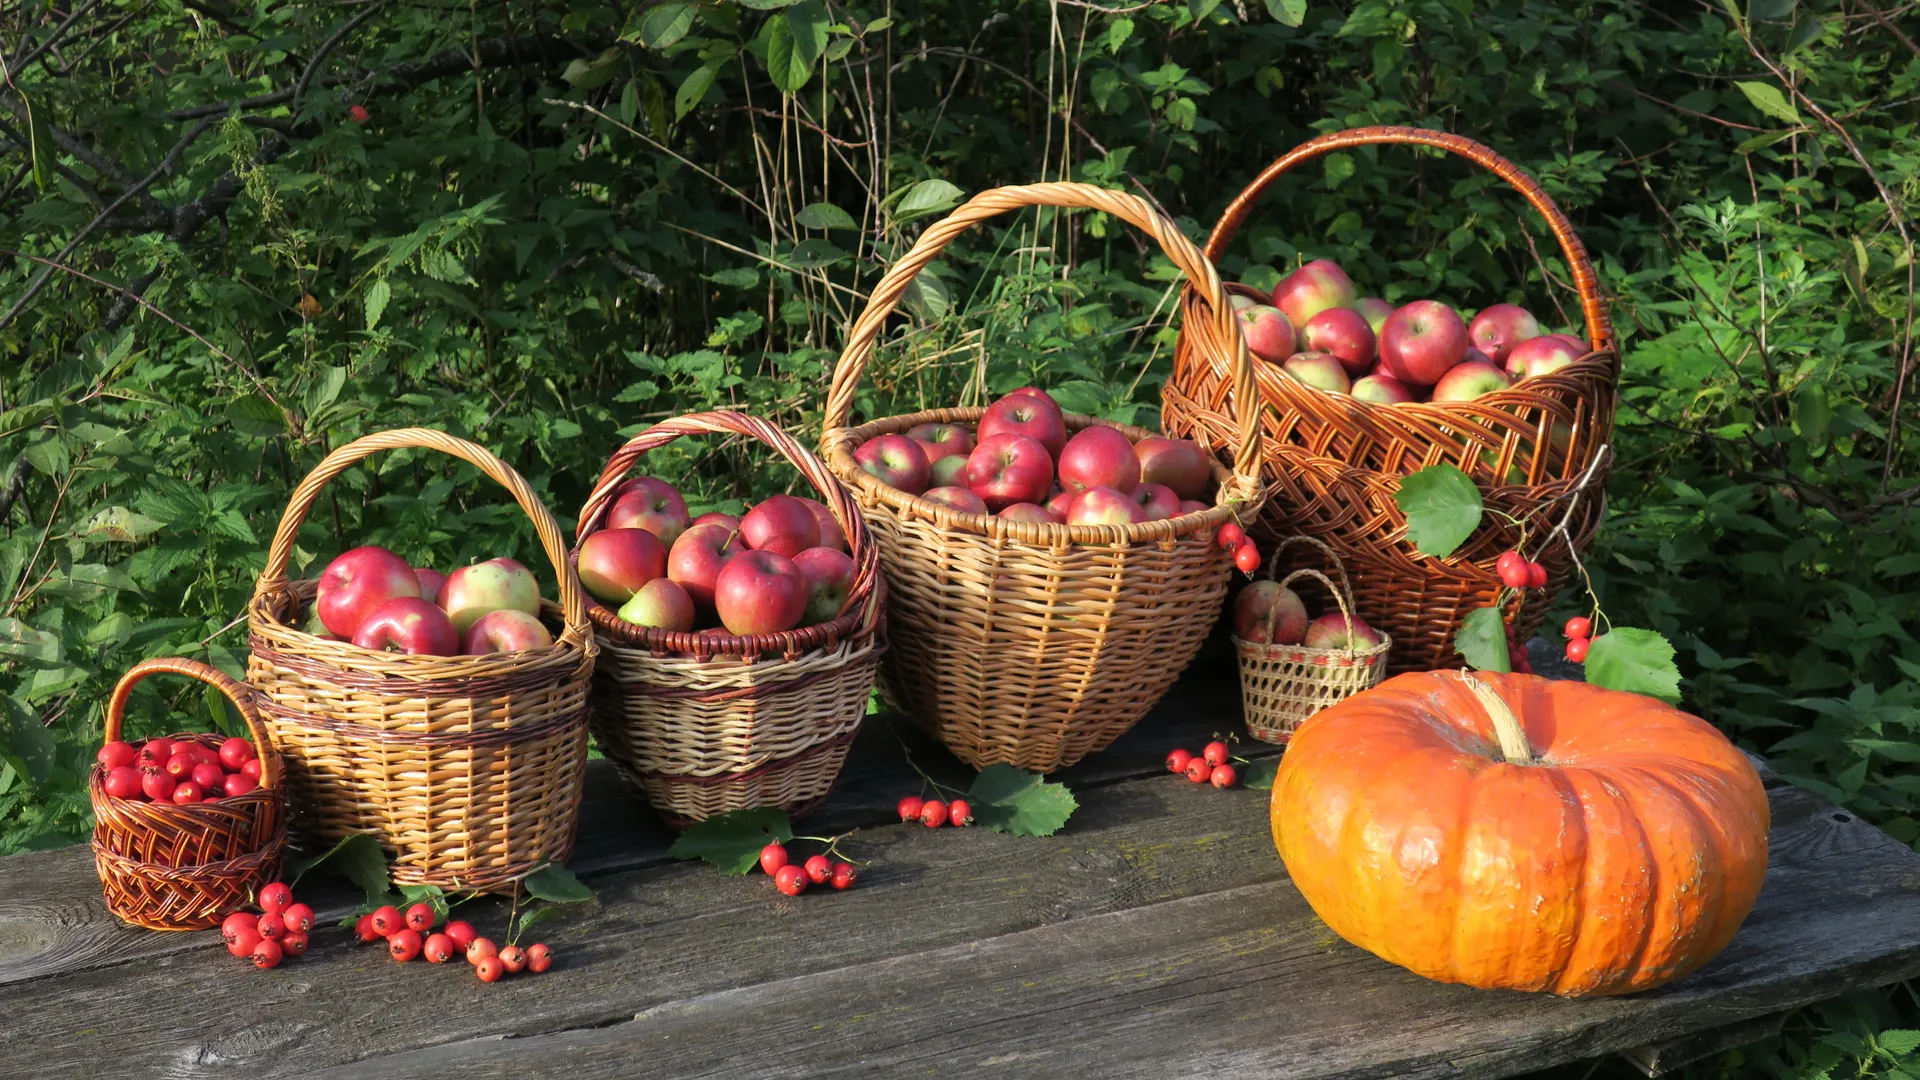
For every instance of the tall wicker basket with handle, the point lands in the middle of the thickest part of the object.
(1334, 462)
(468, 768)
(1036, 644)
(704, 723)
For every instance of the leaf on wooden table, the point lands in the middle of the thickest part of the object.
(557, 884)
(357, 858)
(1482, 639)
(732, 841)
(1260, 773)
(1020, 803)
(1442, 507)
(1637, 661)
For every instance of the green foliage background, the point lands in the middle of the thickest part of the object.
(561, 221)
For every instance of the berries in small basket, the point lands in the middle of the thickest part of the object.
(185, 770)
(376, 600)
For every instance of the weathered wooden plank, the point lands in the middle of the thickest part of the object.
(1239, 982)
(1658, 1059)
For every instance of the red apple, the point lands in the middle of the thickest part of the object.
(1241, 301)
(1312, 289)
(957, 498)
(1009, 468)
(1192, 506)
(714, 517)
(1157, 502)
(662, 604)
(1375, 311)
(1575, 342)
(1268, 613)
(1104, 506)
(829, 577)
(506, 630)
(1098, 457)
(1059, 504)
(697, 558)
(1318, 370)
(831, 535)
(1034, 391)
(949, 471)
(358, 581)
(1537, 356)
(649, 503)
(1269, 335)
(1026, 412)
(1421, 341)
(1329, 631)
(781, 524)
(494, 585)
(1467, 381)
(897, 460)
(942, 440)
(410, 624)
(1030, 512)
(430, 581)
(1344, 333)
(1497, 329)
(1382, 389)
(615, 563)
(1178, 463)
(760, 592)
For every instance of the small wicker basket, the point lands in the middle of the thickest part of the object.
(703, 723)
(469, 768)
(1282, 685)
(171, 867)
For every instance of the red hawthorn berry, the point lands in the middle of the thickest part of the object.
(116, 754)
(933, 814)
(298, 917)
(294, 943)
(438, 948)
(272, 927)
(187, 793)
(210, 778)
(1536, 576)
(1223, 775)
(1177, 761)
(489, 969)
(1230, 535)
(236, 752)
(1577, 649)
(180, 766)
(772, 858)
(791, 880)
(1246, 557)
(243, 942)
(461, 933)
(910, 808)
(122, 782)
(479, 949)
(844, 875)
(420, 918)
(959, 812)
(539, 958)
(1578, 627)
(1512, 570)
(515, 959)
(231, 926)
(267, 954)
(819, 869)
(363, 929)
(1199, 771)
(251, 770)
(275, 898)
(1216, 754)
(387, 920)
(359, 114)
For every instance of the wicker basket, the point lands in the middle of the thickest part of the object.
(1282, 685)
(468, 768)
(168, 867)
(1334, 462)
(703, 723)
(1026, 643)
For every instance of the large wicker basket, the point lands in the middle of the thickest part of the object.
(1334, 462)
(1026, 643)
(468, 768)
(170, 867)
(703, 723)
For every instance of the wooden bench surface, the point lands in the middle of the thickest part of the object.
(1157, 935)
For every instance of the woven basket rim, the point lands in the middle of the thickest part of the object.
(1254, 650)
(345, 656)
(1231, 502)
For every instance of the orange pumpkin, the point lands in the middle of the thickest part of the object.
(1513, 832)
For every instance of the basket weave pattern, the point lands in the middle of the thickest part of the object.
(468, 768)
(1025, 643)
(1282, 685)
(701, 724)
(1334, 462)
(169, 867)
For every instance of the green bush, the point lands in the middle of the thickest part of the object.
(558, 223)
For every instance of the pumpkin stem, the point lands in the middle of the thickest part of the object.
(1513, 737)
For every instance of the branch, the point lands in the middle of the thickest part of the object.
(124, 291)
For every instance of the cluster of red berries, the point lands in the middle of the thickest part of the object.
(933, 813)
(793, 878)
(187, 771)
(358, 112)
(1235, 539)
(1213, 766)
(410, 934)
(1579, 631)
(277, 931)
(1517, 573)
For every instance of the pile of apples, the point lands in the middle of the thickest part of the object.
(781, 565)
(179, 771)
(374, 599)
(1322, 334)
(1269, 613)
(1019, 464)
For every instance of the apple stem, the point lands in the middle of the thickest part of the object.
(1506, 726)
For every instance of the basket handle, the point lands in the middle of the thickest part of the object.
(1340, 598)
(1200, 274)
(864, 594)
(1585, 281)
(1285, 542)
(274, 578)
(237, 692)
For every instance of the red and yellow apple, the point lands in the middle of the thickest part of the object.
(1098, 456)
(1421, 341)
(1104, 506)
(1027, 511)
(661, 604)
(949, 471)
(649, 503)
(1499, 327)
(1342, 333)
(1330, 631)
(942, 440)
(1464, 382)
(956, 498)
(1008, 468)
(615, 563)
(358, 581)
(1375, 311)
(759, 592)
(1269, 613)
(1178, 463)
(1537, 356)
(1027, 412)
(408, 624)
(897, 460)
(494, 585)
(1381, 389)
(781, 524)
(1312, 289)
(1269, 335)
(1319, 370)
(506, 630)
(697, 558)
(1157, 502)
(829, 577)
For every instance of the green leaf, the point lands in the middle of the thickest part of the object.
(732, 841)
(254, 415)
(48, 453)
(1482, 640)
(357, 858)
(1260, 774)
(1288, 12)
(557, 884)
(1339, 169)
(738, 277)
(1762, 141)
(1812, 414)
(813, 253)
(117, 523)
(1118, 31)
(1899, 1041)
(531, 917)
(1020, 803)
(927, 197)
(1634, 660)
(431, 895)
(665, 25)
(592, 74)
(378, 293)
(767, 5)
(39, 143)
(824, 215)
(1768, 99)
(693, 90)
(787, 64)
(1442, 507)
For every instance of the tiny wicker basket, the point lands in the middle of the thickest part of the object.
(171, 867)
(1283, 685)
(700, 724)
(468, 768)
(1036, 644)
